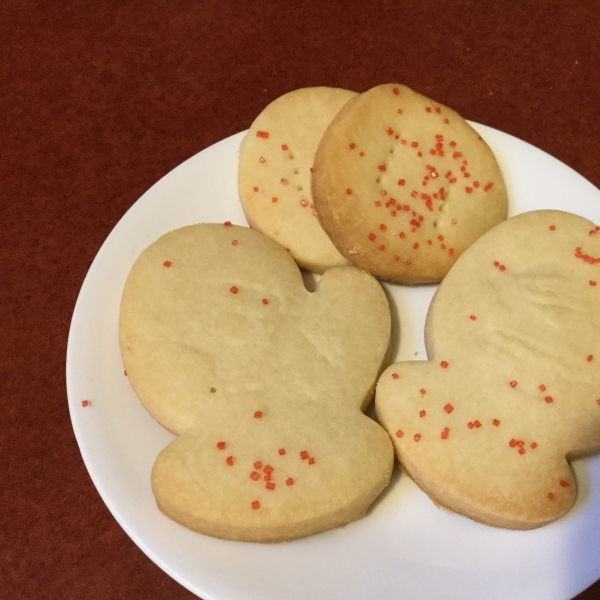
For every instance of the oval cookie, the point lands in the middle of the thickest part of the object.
(403, 185)
(511, 391)
(276, 159)
(263, 382)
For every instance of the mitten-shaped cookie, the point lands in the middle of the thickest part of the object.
(262, 381)
(511, 391)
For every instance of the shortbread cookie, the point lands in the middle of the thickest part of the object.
(511, 391)
(403, 185)
(263, 382)
(276, 160)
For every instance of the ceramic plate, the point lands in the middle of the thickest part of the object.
(405, 547)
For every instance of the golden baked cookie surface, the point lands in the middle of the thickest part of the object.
(276, 160)
(262, 381)
(403, 185)
(511, 390)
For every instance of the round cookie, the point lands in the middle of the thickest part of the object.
(263, 382)
(511, 391)
(276, 160)
(404, 185)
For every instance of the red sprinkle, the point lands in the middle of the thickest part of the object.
(270, 485)
(255, 504)
(395, 375)
(417, 437)
(513, 384)
(372, 236)
(590, 358)
(550, 496)
(282, 451)
(289, 481)
(592, 283)
(472, 317)
(268, 469)
(477, 424)
(262, 134)
(352, 146)
(254, 475)
(284, 146)
(348, 191)
(564, 483)
(258, 464)
(552, 227)
(304, 455)
(85, 403)
(265, 301)
(422, 413)
(229, 460)
(533, 445)
(233, 289)
(445, 433)
(382, 168)
(221, 445)
(255, 188)
(543, 387)
(423, 391)
(448, 408)
(444, 364)
(311, 461)
(470, 425)
(399, 433)
(549, 399)
(258, 414)
(495, 422)
(234, 242)
(167, 263)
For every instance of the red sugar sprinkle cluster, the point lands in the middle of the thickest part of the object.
(304, 455)
(586, 257)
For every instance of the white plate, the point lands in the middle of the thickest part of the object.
(405, 547)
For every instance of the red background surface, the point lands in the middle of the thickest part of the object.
(98, 100)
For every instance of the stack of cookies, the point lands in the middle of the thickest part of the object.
(265, 384)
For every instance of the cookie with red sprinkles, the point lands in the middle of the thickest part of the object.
(263, 383)
(275, 166)
(403, 185)
(511, 391)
